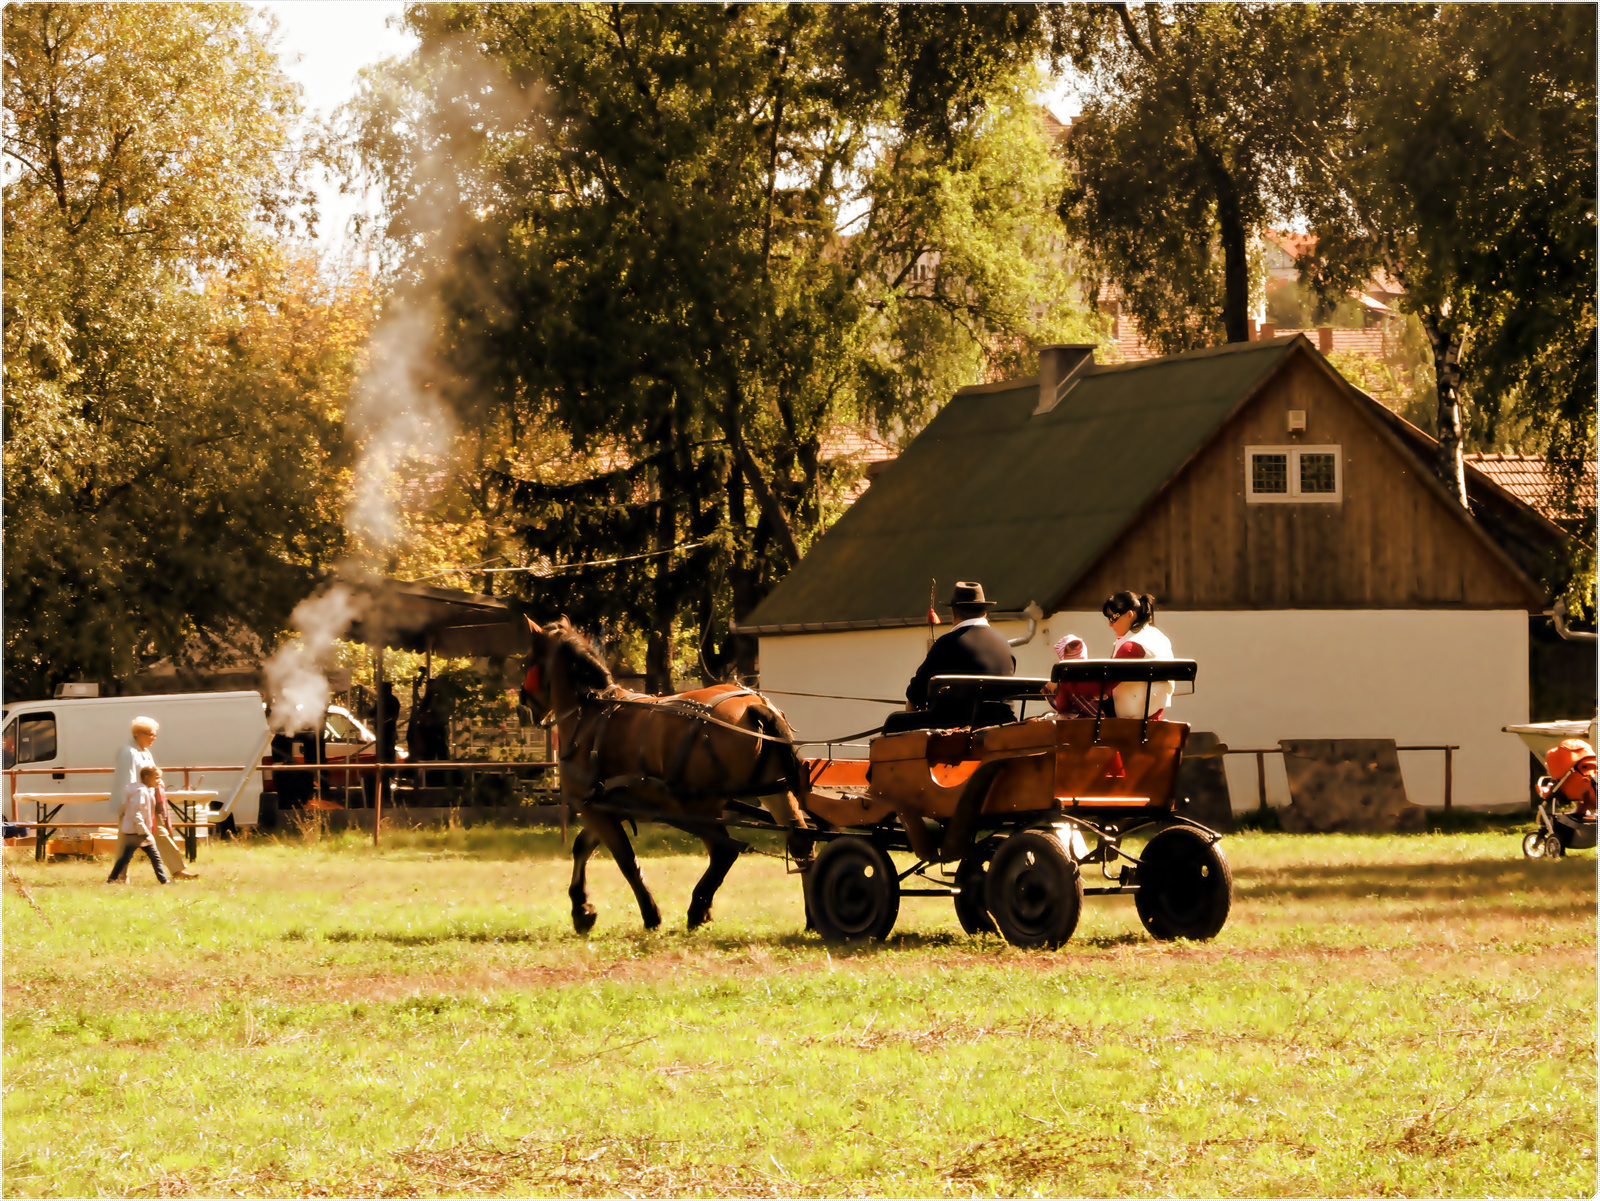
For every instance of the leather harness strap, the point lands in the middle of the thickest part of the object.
(698, 712)
(702, 712)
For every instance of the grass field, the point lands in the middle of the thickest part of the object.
(1405, 1015)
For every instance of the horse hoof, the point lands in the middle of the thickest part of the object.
(698, 918)
(583, 920)
(652, 921)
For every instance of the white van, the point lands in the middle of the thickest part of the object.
(198, 729)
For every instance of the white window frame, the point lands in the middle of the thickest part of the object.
(1294, 496)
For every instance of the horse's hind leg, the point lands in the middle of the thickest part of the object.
(725, 851)
(610, 832)
(786, 811)
(582, 911)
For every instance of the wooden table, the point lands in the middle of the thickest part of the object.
(48, 804)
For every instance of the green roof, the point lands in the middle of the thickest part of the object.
(1023, 503)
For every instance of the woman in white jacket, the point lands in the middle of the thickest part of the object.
(1132, 619)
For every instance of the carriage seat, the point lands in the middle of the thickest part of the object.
(1124, 671)
(965, 701)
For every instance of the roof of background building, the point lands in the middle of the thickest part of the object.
(1023, 503)
(1530, 480)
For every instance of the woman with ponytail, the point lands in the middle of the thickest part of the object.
(1132, 617)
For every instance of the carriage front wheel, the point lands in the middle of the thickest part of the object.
(1033, 890)
(1185, 885)
(972, 907)
(852, 892)
(1533, 844)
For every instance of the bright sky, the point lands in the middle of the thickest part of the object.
(322, 44)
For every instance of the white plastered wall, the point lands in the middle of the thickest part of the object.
(1417, 676)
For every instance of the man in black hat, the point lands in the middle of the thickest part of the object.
(971, 648)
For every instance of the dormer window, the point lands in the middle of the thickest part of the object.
(1293, 474)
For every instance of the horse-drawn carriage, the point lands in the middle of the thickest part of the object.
(1005, 820)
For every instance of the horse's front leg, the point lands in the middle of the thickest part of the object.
(610, 832)
(582, 911)
(724, 851)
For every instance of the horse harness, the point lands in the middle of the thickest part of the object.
(700, 713)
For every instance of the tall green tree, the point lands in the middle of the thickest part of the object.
(172, 376)
(695, 239)
(1181, 156)
(1462, 162)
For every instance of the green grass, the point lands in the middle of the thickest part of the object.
(1406, 1015)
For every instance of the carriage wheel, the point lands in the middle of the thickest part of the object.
(1553, 848)
(852, 892)
(1033, 890)
(971, 904)
(1185, 885)
(1533, 844)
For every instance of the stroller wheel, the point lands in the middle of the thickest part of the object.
(1533, 845)
(1553, 848)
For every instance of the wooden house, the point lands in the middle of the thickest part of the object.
(1297, 542)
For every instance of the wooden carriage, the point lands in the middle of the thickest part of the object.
(1006, 820)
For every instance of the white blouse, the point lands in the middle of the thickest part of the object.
(1129, 699)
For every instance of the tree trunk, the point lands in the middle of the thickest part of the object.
(742, 576)
(1447, 377)
(1235, 257)
(664, 601)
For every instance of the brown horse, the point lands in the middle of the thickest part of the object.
(673, 759)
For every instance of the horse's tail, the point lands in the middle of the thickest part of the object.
(779, 741)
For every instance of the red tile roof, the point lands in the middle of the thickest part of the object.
(1528, 478)
(1293, 244)
(859, 448)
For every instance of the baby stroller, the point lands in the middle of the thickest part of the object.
(1571, 777)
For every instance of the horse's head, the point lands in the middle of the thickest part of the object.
(560, 658)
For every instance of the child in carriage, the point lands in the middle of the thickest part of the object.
(1080, 699)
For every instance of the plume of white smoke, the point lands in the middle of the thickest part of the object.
(396, 422)
(295, 674)
(394, 416)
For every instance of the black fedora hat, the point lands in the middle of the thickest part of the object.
(969, 592)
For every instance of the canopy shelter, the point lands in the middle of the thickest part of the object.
(434, 621)
(418, 618)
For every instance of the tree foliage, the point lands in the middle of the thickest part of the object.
(693, 240)
(173, 373)
(1462, 162)
(1181, 156)
(1451, 146)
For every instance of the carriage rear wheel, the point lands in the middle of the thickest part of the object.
(1533, 844)
(852, 892)
(971, 905)
(1185, 885)
(1033, 890)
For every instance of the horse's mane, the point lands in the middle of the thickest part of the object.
(586, 670)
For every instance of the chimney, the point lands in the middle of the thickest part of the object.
(1325, 339)
(1059, 368)
(1269, 331)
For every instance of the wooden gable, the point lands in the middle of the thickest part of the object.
(1393, 540)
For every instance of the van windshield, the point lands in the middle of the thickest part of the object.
(31, 738)
(342, 729)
